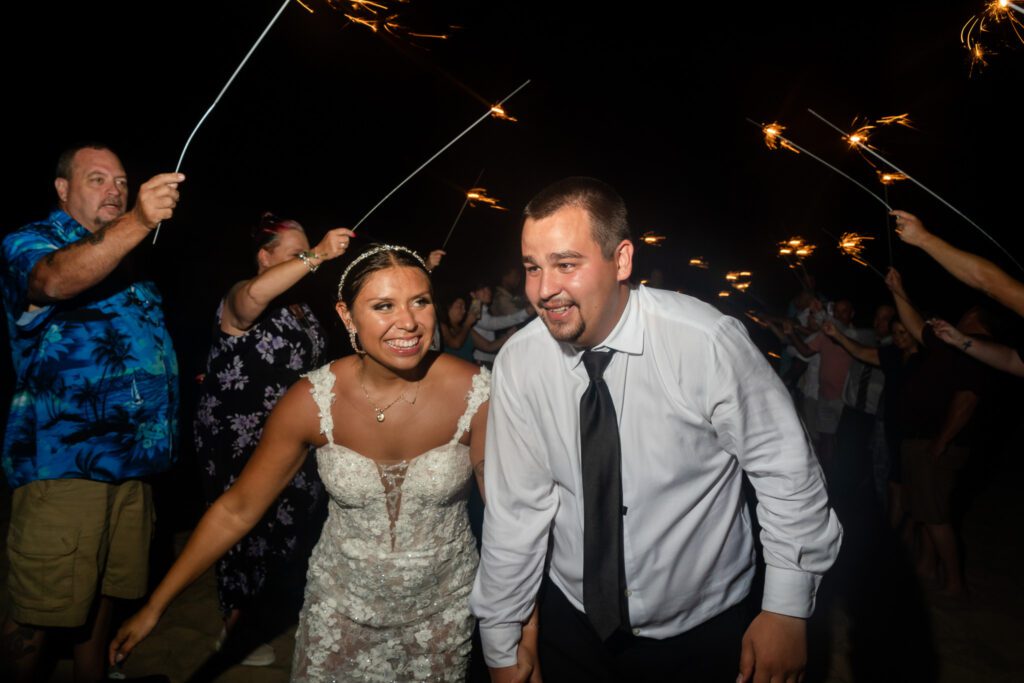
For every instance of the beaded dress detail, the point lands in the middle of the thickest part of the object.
(387, 593)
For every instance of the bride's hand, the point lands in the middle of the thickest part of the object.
(131, 633)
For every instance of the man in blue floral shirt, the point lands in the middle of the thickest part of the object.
(94, 408)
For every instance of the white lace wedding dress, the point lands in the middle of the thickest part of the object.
(387, 593)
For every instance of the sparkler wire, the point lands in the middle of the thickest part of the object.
(888, 228)
(464, 204)
(916, 182)
(822, 161)
(437, 154)
(222, 91)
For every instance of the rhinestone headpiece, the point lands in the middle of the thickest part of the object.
(376, 250)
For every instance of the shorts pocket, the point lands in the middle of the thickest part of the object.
(42, 566)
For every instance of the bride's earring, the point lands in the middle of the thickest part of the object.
(354, 340)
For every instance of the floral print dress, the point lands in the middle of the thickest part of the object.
(245, 377)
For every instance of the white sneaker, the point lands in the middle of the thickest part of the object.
(261, 656)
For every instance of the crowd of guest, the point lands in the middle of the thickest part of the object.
(895, 409)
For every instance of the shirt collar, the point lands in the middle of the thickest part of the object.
(626, 337)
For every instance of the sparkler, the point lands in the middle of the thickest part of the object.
(379, 17)
(465, 203)
(654, 240)
(479, 194)
(852, 244)
(755, 318)
(699, 262)
(227, 85)
(897, 119)
(995, 12)
(920, 185)
(774, 139)
(437, 154)
(888, 177)
(498, 112)
(793, 251)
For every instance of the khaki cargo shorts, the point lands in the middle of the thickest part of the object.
(70, 539)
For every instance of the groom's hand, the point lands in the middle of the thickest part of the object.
(526, 669)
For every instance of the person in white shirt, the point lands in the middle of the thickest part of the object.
(696, 405)
(489, 325)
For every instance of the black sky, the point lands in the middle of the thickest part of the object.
(651, 97)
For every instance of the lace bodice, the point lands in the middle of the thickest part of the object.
(388, 585)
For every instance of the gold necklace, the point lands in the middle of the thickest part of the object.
(380, 411)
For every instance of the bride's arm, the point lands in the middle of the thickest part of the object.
(477, 439)
(291, 426)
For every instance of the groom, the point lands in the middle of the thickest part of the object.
(620, 425)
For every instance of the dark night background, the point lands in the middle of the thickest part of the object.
(326, 118)
(651, 97)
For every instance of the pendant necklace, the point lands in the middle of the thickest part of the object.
(380, 411)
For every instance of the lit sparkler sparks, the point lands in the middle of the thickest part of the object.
(654, 240)
(909, 177)
(699, 262)
(796, 247)
(724, 294)
(773, 137)
(999, 12)
(755, 318)
(890, 177)
(858, 139)
(852, 244)
(437, 154)
(498, 112)
(380, 16)
(896, 119)
(479, 195)
(739, 279)
(793, 251)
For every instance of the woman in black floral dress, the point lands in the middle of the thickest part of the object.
(261, 346)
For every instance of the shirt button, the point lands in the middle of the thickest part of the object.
(628, 592)
(636, 632)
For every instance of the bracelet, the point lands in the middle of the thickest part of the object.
(966, 345)
(305, 257)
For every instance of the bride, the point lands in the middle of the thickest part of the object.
(399, 433)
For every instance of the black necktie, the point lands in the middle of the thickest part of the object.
(604, 576)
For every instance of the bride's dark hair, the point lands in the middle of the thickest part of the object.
(376, 257)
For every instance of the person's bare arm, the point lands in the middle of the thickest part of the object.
(909, 316)
(456, 337)
(971, 269)
(865, 354)
(248, 299)
(997, 355)
(292, 425)
(71, 270)
(434, 259)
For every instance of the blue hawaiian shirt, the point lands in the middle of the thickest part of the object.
(96, 393)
